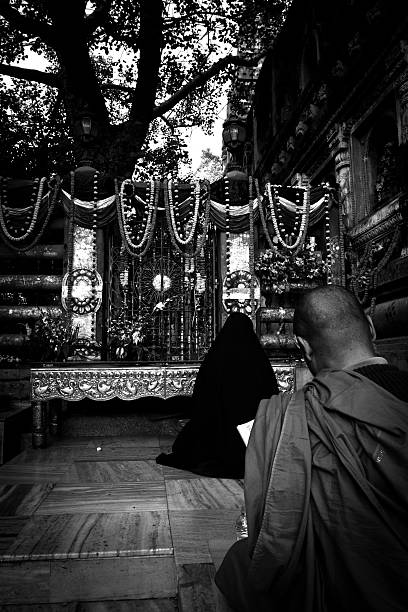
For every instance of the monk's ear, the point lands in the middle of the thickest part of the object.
(304, 347)
(372, 328)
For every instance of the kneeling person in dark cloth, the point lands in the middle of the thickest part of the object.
(326, 478)
(233, 377)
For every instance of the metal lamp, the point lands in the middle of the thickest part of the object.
(234, 133)
(86, 123)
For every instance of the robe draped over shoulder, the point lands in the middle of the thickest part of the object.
(326, 490)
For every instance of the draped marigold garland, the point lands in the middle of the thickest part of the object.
(140, 248)
(15, 242)
(193, 222)
(168, 204)
(251, 249)
(273, 197)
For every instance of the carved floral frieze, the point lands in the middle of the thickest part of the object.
(377, 224)
(74, 384)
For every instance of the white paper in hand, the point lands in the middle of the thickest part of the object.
(245, 430)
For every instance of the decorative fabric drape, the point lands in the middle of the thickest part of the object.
(105, 210)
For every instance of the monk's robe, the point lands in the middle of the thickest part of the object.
(326, 493)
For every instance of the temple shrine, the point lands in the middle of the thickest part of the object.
(113, 288)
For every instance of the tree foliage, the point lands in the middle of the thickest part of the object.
(210, 167)
(136, 68)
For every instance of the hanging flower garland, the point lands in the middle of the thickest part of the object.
(262, 214)
(227, 238)
(175, 226)
(94, 271)
(70, 245)
(14, 242)
(329, 256)
(171, 224)
(143, 243)
(34, 205)
(274, 205)
(251, 249)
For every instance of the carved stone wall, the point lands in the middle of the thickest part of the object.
(350, 122)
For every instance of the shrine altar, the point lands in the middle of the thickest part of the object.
(106, 380)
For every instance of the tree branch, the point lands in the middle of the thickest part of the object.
(202, 78)
(27, 25)
(52, 79)
(150, 43)
(29, 74)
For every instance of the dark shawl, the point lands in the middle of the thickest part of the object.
(234, 376)
(326, 491)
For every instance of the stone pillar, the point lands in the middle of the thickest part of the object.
(339, 143)
(341, 219)
(402, 93)
(40, 424)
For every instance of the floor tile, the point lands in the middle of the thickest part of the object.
(22, 499)
(204, 493)
(70, 606)
(120, 578)
(10, 527)
(192, 529)
(170, 473)
(70, 536)
(141, 605)
(116, 471)
(105, 498)
(33, 473)
(25, 583)
(196, 588)
(98, 452)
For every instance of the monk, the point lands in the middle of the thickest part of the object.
(326, 477)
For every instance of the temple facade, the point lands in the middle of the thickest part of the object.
(330, 109)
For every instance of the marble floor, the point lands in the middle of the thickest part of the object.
(93, 524)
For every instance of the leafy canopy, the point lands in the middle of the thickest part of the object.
(144, 71)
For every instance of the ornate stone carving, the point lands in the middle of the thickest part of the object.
(101, 384)
(339, 143)
(285, 377)
(276, 314)
(377, 224)
(74, 384)
(395, 271)
(180, 381)
(403, 103)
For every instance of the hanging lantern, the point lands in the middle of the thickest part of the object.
(234, 133)
(86, 123)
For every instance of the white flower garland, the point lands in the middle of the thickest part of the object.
(329, 256)
(36, 208)
(14, 243)
(170, 203)
(304, 220)
(136, 248)
(201, 239)
(251, 250)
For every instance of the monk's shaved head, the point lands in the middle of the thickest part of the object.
(333, 322)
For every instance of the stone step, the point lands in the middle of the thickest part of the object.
(12, 340)
(27, 312)
(41, 251)
(31, 282)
